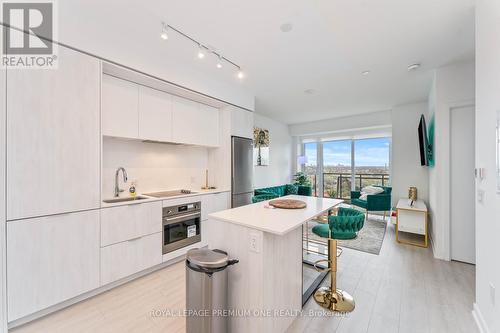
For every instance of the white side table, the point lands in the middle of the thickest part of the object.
(412, 219)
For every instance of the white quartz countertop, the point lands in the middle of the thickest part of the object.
(274, 220)
(151, 199)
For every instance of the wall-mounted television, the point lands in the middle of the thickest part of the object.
(422, 140)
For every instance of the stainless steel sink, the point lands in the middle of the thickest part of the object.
(115, 200)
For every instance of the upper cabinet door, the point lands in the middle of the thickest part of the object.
(241, 123)
(120, 115)
(53, 137)
(194, 123)
(155, 115)
(210, 125)
(185, 120)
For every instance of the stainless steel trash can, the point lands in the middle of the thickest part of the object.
(206, 290)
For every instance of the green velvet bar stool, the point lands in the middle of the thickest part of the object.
(345, 225)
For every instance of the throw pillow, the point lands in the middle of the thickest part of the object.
(370, 190)
(291, 189)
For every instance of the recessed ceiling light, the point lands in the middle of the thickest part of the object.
(286, 27)
(365, 72)
(413, 67)
(309, 91)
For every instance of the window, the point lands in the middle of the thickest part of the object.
(337, 167)
(372, 162)
(311, 166)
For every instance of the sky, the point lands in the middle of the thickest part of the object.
(368, 152)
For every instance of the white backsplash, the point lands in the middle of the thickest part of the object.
(154, 166)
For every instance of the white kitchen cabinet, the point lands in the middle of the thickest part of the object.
(155, 115)
(120, 115)
(194, 123)
(126, 258)
(241, 123)
(222, 201)
(209, 130)
(212, 203)
(53, 137)
(128, 222)
(51, 259)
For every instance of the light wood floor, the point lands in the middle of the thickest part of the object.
(404, 289)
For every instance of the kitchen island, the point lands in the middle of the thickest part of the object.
(265, 287)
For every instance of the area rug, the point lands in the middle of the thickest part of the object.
(369, 239)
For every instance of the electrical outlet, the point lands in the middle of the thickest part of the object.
(255, 242)
(492, 293)
(480, 196)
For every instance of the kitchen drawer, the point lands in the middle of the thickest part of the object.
(127, 222)
(126, 258)
(50, 260)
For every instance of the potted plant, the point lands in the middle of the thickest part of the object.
(304, 185)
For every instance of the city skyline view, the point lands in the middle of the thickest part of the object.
(368, 153)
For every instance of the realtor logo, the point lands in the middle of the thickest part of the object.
(28, 40)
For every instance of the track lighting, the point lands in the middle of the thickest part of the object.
(164, 28)
(201, 52)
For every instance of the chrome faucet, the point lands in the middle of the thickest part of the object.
(117, 188)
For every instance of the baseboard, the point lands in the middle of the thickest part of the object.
(435, 253)
(478, 318)
(433, 247)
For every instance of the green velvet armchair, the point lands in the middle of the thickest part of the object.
(373, 203)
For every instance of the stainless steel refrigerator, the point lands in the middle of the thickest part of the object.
(241, 171)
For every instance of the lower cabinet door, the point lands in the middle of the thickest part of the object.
(126, 258)
(51, 259)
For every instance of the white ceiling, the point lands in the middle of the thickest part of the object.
(331, 43)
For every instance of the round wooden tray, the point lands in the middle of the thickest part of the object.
(288, 203)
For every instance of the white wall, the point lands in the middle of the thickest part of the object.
(406, 168)
(3, 248)
(367, 121)
(488, 212)
(453, 86)
(155, 166)
(279, 171)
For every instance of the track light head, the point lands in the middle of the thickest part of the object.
(219, 62)
(164, 28)
(240, 74)
(201, 52)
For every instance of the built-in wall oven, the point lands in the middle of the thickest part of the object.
(181, 226)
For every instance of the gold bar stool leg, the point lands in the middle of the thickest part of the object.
(332, 298)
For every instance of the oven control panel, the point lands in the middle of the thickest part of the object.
(182, 209)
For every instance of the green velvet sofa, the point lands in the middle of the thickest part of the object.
(268, 193)
(373, 203)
